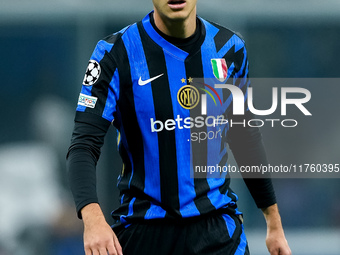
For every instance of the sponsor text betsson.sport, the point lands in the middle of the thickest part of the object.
(239, 109)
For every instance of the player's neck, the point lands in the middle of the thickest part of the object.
(176, 28)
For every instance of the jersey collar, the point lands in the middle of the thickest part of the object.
(157, 38)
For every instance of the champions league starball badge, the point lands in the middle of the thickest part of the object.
(92, 73)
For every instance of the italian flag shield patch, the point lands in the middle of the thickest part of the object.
(220, 68)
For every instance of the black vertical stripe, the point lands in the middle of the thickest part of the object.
(126, 171)
(194, 69)
(163, 111)
(129, 125)
(223, 188)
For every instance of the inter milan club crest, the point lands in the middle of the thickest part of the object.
(188, 97)
(92, 73)
(220, 68)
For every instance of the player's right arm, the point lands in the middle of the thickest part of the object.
(87, 139)
(92, 121)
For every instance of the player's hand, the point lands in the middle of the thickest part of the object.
(277, 243)
(99, 239)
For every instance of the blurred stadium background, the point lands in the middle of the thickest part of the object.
(44, 50)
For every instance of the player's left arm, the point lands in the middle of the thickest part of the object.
(276, 241)
(248, 149)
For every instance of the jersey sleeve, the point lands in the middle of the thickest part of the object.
(100, 88)
(246, 142)
(95, 111)
(87, 139)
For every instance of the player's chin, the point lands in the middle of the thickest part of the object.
(178, 15)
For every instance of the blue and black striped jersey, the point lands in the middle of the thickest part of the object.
(139, 81)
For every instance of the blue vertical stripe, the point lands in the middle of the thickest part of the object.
(230, 223)
(208, 53)
(144, 108)
(123, 217)
(112, 97)
(241, 249)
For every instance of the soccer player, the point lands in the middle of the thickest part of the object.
(143, 80)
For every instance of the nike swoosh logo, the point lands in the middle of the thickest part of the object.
(142, 83)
